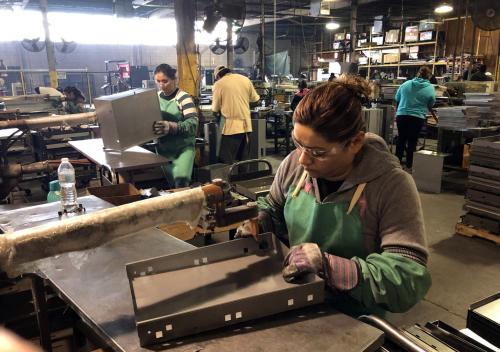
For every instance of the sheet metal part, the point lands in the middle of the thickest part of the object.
(431, 343)
(454, 338)
(483, 317)
(215, 286)
(127, 118)
(130, 159)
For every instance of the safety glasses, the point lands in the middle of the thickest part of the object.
(319, 154)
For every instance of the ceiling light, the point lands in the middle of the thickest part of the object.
(443, 8)
(332, 26)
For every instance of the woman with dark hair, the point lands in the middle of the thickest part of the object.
(303, 90)
(74, 100)
(346, 208)
(414, 99)
(177, 128)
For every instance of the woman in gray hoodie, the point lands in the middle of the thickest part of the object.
(349, 211)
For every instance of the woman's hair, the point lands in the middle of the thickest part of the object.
(333, 110)
(424, 72)
(166, 69)
(302, 84)
(76, 92)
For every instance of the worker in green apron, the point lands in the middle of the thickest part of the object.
(177, 127)
(346, 208)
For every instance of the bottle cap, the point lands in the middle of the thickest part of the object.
(54, 186)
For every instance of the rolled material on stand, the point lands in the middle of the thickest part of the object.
(49, 121)
(91, 230)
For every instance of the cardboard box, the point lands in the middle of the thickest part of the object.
(390, 58)
(122, 193)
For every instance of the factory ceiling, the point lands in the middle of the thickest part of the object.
(293, 16)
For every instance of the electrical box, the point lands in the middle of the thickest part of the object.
(126, 119)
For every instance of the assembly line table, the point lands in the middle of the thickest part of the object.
(94, 284)
(115, 162)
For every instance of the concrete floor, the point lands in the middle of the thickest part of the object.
(464, 270)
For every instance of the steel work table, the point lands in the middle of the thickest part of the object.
(116, 162)
(94, 283)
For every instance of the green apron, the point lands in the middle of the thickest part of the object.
(179, 149)
(334, 226)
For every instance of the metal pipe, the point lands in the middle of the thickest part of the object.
(392, 332)
(463, 37)
(274, 39)
(49, 121)
(229, 46)
(262, 41)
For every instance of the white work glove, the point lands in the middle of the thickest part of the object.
(249, 228)
(161, 127)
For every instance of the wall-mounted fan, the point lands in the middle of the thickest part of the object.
(66, 46)
(34, 45)
(217, 48)
(486, 14)
(241, 46)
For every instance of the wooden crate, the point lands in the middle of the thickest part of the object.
(470, 231)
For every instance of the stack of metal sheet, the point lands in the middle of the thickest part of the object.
(483, 189)
(488, 104)
(458, 117)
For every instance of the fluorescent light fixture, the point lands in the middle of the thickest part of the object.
(443, 8)
(332, 26)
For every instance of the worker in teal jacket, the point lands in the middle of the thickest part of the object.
(177, 127)
(346, 208)
(414, 99)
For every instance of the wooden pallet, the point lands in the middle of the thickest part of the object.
(470, 231)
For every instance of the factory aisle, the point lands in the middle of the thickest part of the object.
(464, 270)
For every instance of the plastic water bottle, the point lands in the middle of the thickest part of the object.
(66, 175)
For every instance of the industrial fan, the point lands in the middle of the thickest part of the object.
(217, 48)
(34, 45)
(486, 14)
(241, 46)
(65, 46)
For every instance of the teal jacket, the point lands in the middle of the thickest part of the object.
(415, 98)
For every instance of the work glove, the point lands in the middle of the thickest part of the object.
(161, 127)
(303, 259)
(249, 228)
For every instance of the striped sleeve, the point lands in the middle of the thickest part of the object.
(189, 123)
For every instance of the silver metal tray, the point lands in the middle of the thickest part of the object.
(215, 286)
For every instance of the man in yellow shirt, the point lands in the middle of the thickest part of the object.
(232, 95)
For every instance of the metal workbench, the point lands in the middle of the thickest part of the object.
(94, 283)
(116, 162)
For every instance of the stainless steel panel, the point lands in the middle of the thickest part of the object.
(127, 118)
(213, 287)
